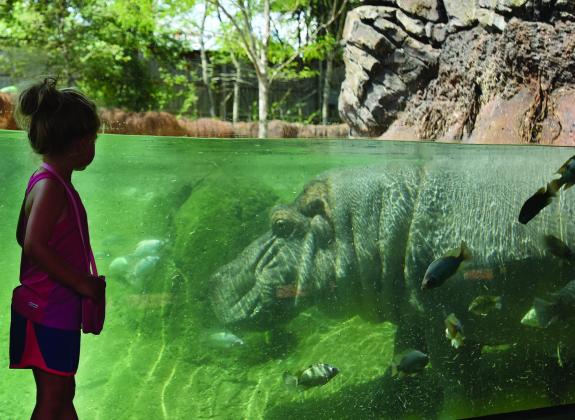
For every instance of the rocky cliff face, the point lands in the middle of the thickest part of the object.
(477, 71)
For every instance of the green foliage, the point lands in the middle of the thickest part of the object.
(321, 48)
(114, 50)
(132, 53)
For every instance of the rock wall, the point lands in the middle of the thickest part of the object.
(476, 71)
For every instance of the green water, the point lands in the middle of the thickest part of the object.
(153, 359)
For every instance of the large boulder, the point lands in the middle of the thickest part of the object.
(478, 71)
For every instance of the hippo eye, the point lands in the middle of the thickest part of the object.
(282, 228)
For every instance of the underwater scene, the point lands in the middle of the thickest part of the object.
(315, 279)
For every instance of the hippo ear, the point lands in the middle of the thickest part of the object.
(314, 208)
(314, 200)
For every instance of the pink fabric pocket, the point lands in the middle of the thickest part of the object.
(93, 315)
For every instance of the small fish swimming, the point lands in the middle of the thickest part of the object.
(557, 247)
(543, 197)
(409, 363)
(149, 247)
(454, 331)
(484, 304)
(561, 306)
(145, 267)
(224, 339)
(537, 202)
(443, 268)
(119, 267)
(290, 291)
(567, 172)
(317, 374)
(479, 275)
(530, 319)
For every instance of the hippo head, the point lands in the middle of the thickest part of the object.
(282, 270)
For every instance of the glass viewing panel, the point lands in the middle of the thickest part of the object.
(234, 266)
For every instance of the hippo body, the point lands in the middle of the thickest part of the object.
(359, 241)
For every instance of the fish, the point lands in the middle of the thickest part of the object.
(543, 197)
(484, 304)
(119, 267)
(496, 348)
(557, 247)
(443, 268)
(530, 318)
(561, 306)
(454, 330)
(409, 363)
(225, 339)
(290, 291)
(317, 374)
(537, 202)
(145, 267)
(149, 247)
(485, 274)
(567, 172)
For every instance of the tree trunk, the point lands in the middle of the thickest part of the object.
(224, 94)
(237, 81)
(326, 90)
(263, 91)
(205, 70)
(263, 79)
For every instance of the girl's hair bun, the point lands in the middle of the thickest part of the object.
(55, 118)
(41, 95)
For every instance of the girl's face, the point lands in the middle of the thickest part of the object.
(84, 152)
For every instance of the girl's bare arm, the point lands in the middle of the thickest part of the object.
(49, 200)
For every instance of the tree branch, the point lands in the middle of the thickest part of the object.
(296, 54)
(249, 46)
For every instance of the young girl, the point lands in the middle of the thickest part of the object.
(46, 307)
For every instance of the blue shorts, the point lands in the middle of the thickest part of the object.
(53, 350)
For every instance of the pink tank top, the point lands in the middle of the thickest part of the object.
(41, 299)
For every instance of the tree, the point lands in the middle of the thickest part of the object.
(230, 52)
(204, 59)
(327, 45)
(242, 15)
(111, 49)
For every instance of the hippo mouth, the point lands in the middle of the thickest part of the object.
(233, 306)
(258, 305)
(253, 294)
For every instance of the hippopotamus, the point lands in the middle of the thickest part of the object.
(359, 241)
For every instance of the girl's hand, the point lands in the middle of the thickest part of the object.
(93, 287)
